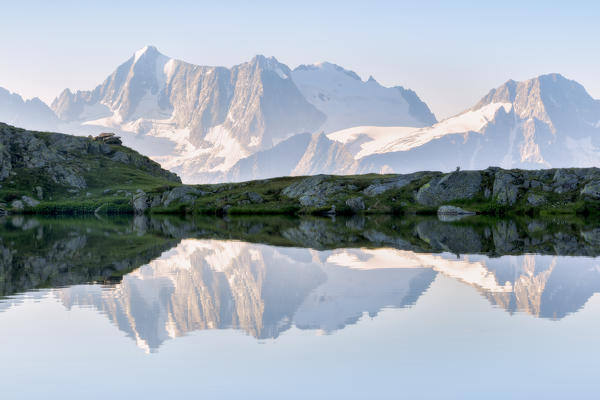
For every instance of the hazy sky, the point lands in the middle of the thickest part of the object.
(451, 53)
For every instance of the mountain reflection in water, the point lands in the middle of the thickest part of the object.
(163, 277)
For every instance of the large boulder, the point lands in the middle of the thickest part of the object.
(506, 188)
(396, 182)
(565, 181)
(181, 194)
(317, 191)
(591, 190)
(140, 202)
(460, 185)
(17, 205)
(30, 202)
(453, 210)
(254, 198)
(536, 200)
(356, 204)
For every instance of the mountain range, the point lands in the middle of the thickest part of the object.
(261, 119)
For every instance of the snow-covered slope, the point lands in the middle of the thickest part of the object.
(348, 101)
(369, 140)
(548, 121)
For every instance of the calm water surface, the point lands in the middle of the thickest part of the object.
(299, 308)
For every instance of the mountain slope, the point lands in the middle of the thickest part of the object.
(30, 114)
(280, 160)
(36, 166)
(348, 101)
(547, 121)
(217, 116)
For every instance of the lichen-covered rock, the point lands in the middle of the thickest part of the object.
(140, 202)
(181, 194)
(535, 199)
(356, 204)
(317, 191)
(506, 188)
(17, 205)
(591, 190)
(565, 181)
(453, 210)
(395, 182)
(120, 157)
(31, 202)
(254, 198)
(460, 185)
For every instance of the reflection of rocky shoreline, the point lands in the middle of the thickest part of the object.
(44, 253)
(350, 267)
(475, 235)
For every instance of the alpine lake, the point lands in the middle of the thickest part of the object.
(295, 308)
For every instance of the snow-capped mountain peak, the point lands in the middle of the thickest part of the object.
(547, 121)
(349, 101)
(148, 49)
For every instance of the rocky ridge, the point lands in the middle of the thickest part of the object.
(37, 167)
(490, 191)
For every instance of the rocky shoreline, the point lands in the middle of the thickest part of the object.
(491, 191)
(53, 173)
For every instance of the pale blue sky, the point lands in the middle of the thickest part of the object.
(450, 52)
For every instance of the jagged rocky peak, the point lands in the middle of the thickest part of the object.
(552, 99)
(328, 66)
(146, 51)
(141, 76)
(271, 64)
(32, 114)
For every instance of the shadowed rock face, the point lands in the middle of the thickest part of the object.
(172, 276)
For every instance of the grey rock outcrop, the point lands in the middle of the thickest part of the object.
(536, 199)
(591, 190)
(62, 160)
(396, 182)
(459, 185)
(356, 204)
(17, 205)
(453, 210)
(316, 191)
(181, 194)
(31, 202)
(506, 188)
(254, 197)
(565, 181)
(140, 202)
